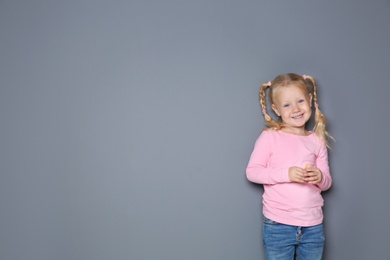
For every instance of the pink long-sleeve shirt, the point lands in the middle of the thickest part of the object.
(275, 151)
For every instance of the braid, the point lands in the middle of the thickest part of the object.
(262, 96)
(319, 118)
(313, 82)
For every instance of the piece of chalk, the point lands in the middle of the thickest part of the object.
(308, 166)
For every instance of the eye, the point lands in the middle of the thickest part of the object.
(301, 101)
(286, 105)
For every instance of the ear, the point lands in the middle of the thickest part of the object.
(275, 109)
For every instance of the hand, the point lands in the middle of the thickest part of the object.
(296, 174)
(313, 175)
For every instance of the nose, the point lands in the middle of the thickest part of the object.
(296, 108)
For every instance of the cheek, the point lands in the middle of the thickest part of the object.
(286, 110)
(284, 114)
(309, 112)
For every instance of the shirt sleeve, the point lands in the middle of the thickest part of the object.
(258, 170)
(322, 163)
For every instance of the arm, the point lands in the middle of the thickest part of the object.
(258, 170)
(323, 164)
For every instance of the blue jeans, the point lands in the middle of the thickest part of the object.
(285, 242)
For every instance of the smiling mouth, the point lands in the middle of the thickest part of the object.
(298, 116)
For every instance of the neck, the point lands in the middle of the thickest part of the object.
(295, 130)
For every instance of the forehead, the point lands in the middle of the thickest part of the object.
(290, 91)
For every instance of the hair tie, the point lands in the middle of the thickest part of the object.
(316, 105)
(269, 83)
(304, 76)
(264, 111)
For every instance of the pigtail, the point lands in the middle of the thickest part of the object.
(319, 118)
(268, 119)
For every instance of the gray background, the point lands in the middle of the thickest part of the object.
(126, 126)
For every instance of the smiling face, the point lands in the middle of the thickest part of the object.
(293, 104)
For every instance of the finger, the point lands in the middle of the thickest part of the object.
(311, 172)
(316, 181)
(299, 178)
(312, 177)
(310, 180)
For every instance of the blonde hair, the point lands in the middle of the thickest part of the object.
(285, 80)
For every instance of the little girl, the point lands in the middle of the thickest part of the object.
(292, 164)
